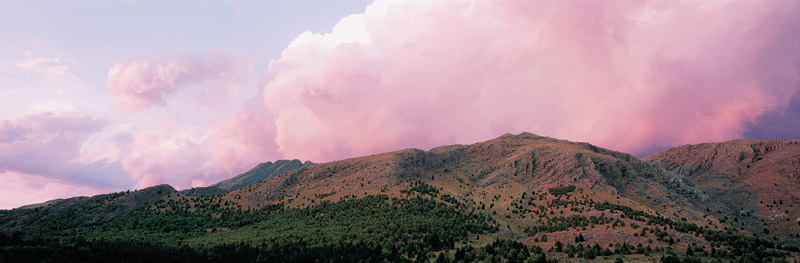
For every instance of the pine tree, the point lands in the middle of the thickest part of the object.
(559, 246)
(579, 238)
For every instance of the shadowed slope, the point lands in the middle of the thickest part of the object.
(255, 175)
(83, 212)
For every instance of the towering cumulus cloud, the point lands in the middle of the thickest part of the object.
(628, 75)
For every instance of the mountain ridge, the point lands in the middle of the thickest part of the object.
(527, 187)
(254, 175)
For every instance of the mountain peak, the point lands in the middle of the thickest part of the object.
(523, 135)
(257, 174)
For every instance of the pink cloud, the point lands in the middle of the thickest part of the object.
(51, 67)
(145, 81)
(47, 146)
(42, 143)
(20, 189)
(628, 75)
(218, 136)
(186, 154)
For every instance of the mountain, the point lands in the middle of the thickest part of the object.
(516, 198)
(509, 164)
(255, 175)
(499, 173)
(759, 178)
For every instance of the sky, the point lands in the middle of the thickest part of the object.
(103, 96)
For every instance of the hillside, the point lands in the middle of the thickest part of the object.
(496, 176)
(82, 212)
(508, 166)
(760, 178)
(516, 198)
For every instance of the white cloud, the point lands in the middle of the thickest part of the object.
(50, 67)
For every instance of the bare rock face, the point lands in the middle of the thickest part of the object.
(760, 177)
(734, 158)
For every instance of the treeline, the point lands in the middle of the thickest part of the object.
(369, 229)
(13, 249)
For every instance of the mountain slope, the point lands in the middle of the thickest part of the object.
(83, 212)
(524, 160)
(495, 177)
(760, 178)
